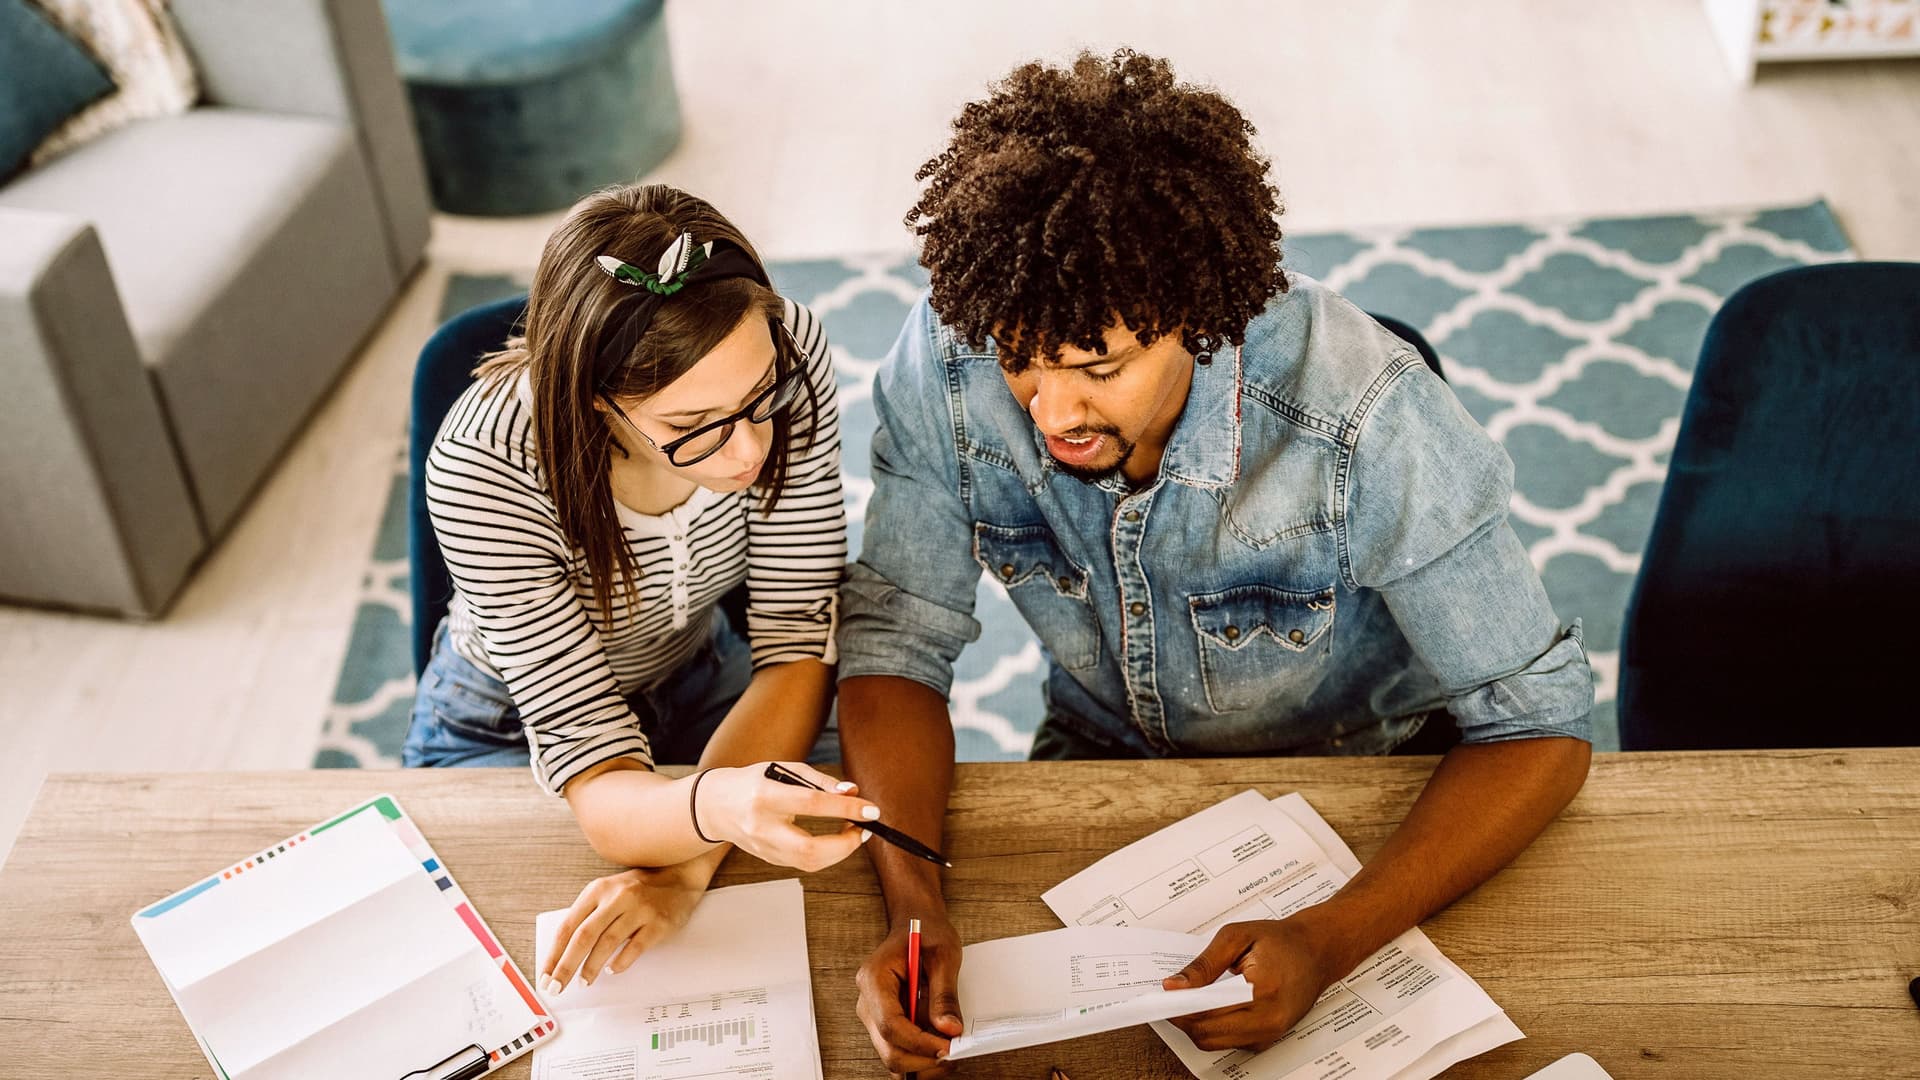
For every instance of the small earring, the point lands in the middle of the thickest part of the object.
(1205, 356)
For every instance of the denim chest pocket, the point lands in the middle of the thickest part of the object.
(1258, 643)
(1049, 589)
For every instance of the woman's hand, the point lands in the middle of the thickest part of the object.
(755, 814)
(616, 919)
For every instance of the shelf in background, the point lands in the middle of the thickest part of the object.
(1752, 32)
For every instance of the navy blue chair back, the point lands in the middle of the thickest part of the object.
(1777, 593)
(443, 373)
(1414, 338)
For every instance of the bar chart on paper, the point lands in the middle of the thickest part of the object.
(728, 1022)
(726, 1034)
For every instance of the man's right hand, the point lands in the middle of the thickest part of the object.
(905, 1047)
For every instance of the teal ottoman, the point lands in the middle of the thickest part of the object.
(523, 106)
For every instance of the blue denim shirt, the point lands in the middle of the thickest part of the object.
(1323, 557)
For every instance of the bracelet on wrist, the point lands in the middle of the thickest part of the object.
(693, 806)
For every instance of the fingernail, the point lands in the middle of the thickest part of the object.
(865, 834)
(554, 987)
(844, 785)
(871, 813)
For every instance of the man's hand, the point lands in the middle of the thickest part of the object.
(1287, 970)
(904, 1047)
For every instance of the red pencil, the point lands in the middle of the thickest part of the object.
(913, 971)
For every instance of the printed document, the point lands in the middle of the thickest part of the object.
(1407, 1012)
(1042, 988)
(730, 995)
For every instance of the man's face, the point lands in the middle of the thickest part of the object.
(1105, 412)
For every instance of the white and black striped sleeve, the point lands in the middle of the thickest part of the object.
(797, 552)
(501, 538)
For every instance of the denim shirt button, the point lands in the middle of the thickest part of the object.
(1294, 636)
(1233, 633)
(1006, 570)
(1133, 515)
(1136, 608)
(1066, 584)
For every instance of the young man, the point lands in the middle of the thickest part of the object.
(1241, 517)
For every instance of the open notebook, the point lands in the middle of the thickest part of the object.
(345, 950)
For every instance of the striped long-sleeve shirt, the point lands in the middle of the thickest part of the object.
(523, 605)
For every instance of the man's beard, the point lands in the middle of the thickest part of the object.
(1094, 476)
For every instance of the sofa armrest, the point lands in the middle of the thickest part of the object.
(327, 58)
(99, 512)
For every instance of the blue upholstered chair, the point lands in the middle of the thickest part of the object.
(1778, 593)
(444, 372)
(1414, 338)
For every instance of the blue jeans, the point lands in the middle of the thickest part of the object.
(463, 716)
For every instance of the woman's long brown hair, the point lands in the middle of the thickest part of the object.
(572, 310)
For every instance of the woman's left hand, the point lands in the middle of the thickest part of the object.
(617, 918)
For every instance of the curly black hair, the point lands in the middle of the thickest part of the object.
(1071, 195)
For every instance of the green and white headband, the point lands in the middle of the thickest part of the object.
(677, 265)
(682, 264)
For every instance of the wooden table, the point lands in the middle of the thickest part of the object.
(1751, 916)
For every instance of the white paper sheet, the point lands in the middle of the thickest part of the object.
(1474, 1041)
(1572, 1067)
(1401, 1011)
(730, 995)
(1062, 984)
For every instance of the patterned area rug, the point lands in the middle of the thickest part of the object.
(1573, 342)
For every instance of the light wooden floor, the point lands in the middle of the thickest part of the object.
(805, 124)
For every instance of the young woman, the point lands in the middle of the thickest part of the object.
(664, 430)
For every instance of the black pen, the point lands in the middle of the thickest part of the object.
(777, 771)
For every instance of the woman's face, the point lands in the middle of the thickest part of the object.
(720, 384)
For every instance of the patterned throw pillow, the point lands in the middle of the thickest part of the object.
(138, 44)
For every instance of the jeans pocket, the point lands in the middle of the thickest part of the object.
(1258, 643)
(476, 709)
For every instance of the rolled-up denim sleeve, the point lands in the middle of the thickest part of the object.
(906, 608)
(1424, 522)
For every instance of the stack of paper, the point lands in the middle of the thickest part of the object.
(1407, 1013)
(731, 994)
(1042, 988)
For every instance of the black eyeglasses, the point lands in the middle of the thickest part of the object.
(706, 440)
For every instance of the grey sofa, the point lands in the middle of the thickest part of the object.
(177, 296)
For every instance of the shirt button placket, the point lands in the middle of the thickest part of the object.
(1137, 655)
(682, 565)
